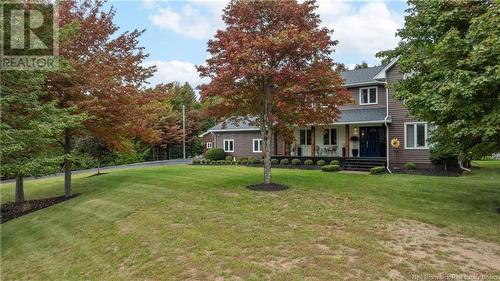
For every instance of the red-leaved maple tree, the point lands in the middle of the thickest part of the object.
(272, 62)
(103, 78)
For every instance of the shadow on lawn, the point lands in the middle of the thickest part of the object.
(13, 210)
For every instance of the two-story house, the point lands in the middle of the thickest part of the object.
(361, 135)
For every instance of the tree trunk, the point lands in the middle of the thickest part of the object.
(98, 166)
(19, 189)
(67, 165)
(266, 142)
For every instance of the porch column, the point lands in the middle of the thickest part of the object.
(346, 135)
(313, 141)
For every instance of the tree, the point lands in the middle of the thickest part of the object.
(103, 77)
(361, 65)
(95, 148)
(272, 62)
(182, 95)
(449, 55)
(29, 127)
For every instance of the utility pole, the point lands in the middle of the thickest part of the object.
(183, 132)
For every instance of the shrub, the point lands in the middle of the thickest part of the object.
(218, 162)
(320, 163)
(213, 162)
(242, 158)
(244, 161)
(252, 160)
(196, 161)
(215, 154)
(274, 161)
(330, 168)
(296, 162)
(229, 158)
(308, 162)
(410, 166)
(377, 170)
(261, 161)
(334, 162)
(284, 162)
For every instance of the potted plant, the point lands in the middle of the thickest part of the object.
(355, 150)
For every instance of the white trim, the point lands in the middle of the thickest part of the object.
(224, 145)
(209, 145)
(415, 135)
(381, 74)
(259, 145)
(369, 83)
(368, 92)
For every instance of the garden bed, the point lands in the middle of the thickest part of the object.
(267, 187)
(13, 210)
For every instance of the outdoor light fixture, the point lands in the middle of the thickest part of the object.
(355, 131)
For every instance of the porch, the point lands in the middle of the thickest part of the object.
(366, 140)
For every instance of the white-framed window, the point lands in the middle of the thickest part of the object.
(229, 145)
(330, 136)
(209, 144)
(368, 95)
(416, 135)
(257, 145)
(305, 137)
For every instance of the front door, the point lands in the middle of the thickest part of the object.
(369, 141)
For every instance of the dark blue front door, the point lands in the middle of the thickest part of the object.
(369, 141)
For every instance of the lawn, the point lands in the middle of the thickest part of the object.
(201, 223)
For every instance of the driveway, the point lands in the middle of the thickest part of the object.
(118, 167)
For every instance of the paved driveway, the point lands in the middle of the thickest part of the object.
(144, 164)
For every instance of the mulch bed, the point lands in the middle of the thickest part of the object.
(13, 210)
(267, 187)
(431, 172)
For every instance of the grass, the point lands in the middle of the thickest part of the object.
(201, 223)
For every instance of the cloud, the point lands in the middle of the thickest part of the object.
(363, 30)
(198, 20)
(174, 70)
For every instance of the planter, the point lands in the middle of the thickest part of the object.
(355, 152)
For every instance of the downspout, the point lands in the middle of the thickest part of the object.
(387, 126)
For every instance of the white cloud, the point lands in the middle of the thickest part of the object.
(363, 31)
(198, 20)
(170, 71)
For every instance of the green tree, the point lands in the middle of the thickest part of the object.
(29, 128)
(361, 65)
(182, 95)
(449, 55)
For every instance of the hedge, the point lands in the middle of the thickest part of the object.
(296, 162)
(215, 154)
(284, 162)
(330, 168)
(377, 170)
(229, 158)
(320, 163)
(308, 162)
(410, 166)
(274, 162)
(334, 162)
(196, 161)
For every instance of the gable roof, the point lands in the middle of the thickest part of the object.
(361, 76)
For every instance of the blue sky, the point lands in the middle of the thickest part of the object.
(177, 31)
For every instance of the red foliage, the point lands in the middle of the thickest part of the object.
(103, 76)
(273, 62)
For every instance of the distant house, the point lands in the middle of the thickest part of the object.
(362, 135)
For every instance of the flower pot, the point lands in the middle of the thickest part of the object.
(355, 152)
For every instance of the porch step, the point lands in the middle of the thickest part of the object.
(362, 164)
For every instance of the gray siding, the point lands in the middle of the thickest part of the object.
(243, 142)
(399, 116)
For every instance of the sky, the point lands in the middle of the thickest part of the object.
(177, 31)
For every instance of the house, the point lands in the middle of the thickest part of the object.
(359, 139)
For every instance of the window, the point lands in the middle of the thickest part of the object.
(257, 145)
(305, 137)
(416, 135)
(330, 136)
(368, 96)
(209, 144)
(229, 145)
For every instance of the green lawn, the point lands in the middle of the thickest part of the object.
(200, 223)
